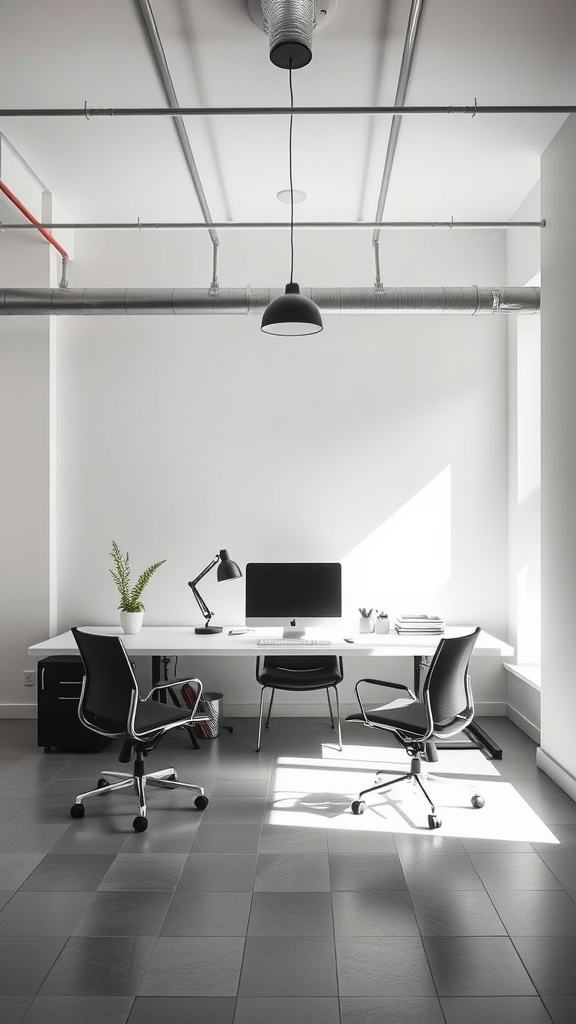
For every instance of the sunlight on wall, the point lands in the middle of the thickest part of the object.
(528, 613)
(401, 565)
(528, 406)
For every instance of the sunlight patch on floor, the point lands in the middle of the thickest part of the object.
(317, 793)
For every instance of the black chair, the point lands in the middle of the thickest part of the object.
(111, 706)
(444, 708)
(299, 674)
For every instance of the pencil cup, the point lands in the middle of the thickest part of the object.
(366, 624)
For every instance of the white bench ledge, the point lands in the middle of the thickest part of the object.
(531, 674)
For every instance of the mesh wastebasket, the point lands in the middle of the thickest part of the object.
(212, 704)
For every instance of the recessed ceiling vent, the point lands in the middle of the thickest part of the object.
(289, 25)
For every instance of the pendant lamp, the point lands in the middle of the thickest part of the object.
(291, 314)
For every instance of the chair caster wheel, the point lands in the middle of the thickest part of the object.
(102, 783)
(358, 807)
(434, 821)
(77, 811)
(201, 802)
(140, 824)
(478, 800)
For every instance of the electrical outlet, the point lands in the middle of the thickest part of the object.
(29, 676)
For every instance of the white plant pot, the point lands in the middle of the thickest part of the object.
(131, 622)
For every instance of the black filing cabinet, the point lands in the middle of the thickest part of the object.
(59, 687)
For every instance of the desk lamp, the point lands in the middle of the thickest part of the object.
(227, 570)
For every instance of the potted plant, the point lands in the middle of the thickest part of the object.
(131, 607)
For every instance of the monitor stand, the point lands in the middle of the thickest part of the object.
(293, 632)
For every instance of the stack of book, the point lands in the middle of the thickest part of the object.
(418, 624)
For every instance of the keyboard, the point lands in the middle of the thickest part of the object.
(294, 643)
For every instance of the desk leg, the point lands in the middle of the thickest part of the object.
(478, 737)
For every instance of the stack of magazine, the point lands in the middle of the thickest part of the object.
(405, 624)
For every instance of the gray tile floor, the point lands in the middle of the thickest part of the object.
(275, 903)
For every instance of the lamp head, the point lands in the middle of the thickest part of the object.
(292, 314)
(227, 569)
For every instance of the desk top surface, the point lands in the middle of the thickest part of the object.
(182, 640)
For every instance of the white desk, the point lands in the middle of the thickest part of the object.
(162, 641)
(159, 641)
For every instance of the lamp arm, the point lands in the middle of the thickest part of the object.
(210, 565)
(201, 604)
(192, 584)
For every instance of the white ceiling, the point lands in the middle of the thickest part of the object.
(67, 53)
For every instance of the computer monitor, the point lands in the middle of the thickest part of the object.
(293, 594)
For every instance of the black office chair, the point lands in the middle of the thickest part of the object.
(298, 674)
(444, 708)
(110, 705)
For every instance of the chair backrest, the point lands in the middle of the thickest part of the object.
(302, 662)
(110, 688)
(447, 691)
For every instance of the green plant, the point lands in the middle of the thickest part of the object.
(130, 596)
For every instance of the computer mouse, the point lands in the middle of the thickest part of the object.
(234, 632)
(349, 640)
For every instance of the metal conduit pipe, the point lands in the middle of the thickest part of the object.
(402, 88)
(170, 92)
(193, 301)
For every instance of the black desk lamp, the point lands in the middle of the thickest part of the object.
(227, 570)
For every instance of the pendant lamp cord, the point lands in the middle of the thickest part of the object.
(291, 183)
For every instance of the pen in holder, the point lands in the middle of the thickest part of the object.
(382, 623)
(366, 624)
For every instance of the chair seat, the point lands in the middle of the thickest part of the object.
(151, 715)
(410, 719)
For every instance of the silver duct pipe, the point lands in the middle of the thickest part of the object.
(289, 25)
(193, 301)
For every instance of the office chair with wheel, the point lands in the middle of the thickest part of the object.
(444, 708)
(299, 674)
(111, 705)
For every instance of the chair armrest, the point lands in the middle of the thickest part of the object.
(380, 682)
(178, 682)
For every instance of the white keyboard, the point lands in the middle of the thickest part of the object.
(294, 643)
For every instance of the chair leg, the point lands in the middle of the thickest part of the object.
(272, 692)
(330, 706)
(260, 718)
(338, 718)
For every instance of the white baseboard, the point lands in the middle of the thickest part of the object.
(279, 710)
(524, 723)
(18, 711)
(557, 773)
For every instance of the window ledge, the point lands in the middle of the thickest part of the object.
(529, 673)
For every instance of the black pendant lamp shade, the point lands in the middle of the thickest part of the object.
(292, 314)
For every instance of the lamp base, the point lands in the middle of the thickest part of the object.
(208, 629)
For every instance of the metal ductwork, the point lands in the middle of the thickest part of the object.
(289, 25)
(196, 301)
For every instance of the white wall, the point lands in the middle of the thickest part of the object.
(524, 584)
(24, 475)
(380, 443)
(558, 752)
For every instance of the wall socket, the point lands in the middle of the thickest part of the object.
(29, 676)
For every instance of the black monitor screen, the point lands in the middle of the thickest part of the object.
(293, 590)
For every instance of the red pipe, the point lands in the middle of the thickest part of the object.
(30, 216)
